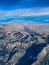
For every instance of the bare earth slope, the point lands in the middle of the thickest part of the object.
(24, 44)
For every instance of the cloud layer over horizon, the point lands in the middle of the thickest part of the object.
(33, 10)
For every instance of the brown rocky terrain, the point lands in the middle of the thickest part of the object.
(24, 44)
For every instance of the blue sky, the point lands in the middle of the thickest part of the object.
(14, 4)
(28, 10)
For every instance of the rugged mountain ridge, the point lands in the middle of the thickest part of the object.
(19, 48)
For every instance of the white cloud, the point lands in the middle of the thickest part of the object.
(25, 12)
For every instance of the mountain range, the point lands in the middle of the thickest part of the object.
(24, 44)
